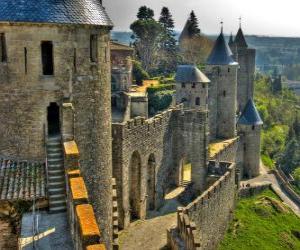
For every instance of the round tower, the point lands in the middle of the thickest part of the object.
(246, 59)
(222, 71)
(249, 128)
(191, 87)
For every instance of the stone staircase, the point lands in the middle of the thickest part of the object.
(56, 175)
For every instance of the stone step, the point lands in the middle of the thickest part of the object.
(55, 155)
(57, 184)
(54, 144)
(57, 172)
(57, 209)
(54, 190)
(56, 178)
(54, 149)
(55, 161)
(54, 138)
(57, 203)
(55, 167)
(57, 197)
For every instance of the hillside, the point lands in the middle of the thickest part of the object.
(271, 51)
(262, 222)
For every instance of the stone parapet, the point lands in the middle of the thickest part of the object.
(203, 223)
(84, 228)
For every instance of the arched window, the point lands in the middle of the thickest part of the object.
(197, 101)
(183, 85)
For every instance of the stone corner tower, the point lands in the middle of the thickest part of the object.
(249, 127)
(245, 56)
(222, 71)
(191, 87)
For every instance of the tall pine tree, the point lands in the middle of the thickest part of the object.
(168, 47)
(193, 27)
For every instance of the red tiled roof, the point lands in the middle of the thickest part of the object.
(22, 180)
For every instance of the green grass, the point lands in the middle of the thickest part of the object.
(262, 225)
(267, 161)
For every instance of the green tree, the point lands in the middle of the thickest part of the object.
(139, 74)
(145, 13)
(291, 157)
(168, 48)
(146, 35)
(296, 175)
(193, 27)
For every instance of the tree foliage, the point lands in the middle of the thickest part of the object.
(281, 131)
(168, 48)
(139, 74)
(193, 27)
(146, 35)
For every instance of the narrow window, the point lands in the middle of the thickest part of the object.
(197, 102)
(3, 55)
(224, 93)
(75, 61)
(253, 127)
(228, 70)
(47, 58)
(203, 85)
(183, 85)
(93, 48)
(25, 60)
(194, 85)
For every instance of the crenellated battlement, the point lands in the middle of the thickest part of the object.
(202, 223)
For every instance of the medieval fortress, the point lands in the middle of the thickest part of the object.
(76, 135)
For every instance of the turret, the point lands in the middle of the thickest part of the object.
(222, 71)
(191, 87)
(246, 59)
(249, 127)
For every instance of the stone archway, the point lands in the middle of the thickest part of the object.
(151, 182)
(135, 186)
(184, 173)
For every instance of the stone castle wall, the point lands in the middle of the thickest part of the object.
(222, 101)
(167, 139)
(203, 223)
(26, 94)
(246, 59)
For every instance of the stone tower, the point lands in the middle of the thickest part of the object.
(51, 53)
(222, 71)
(191, 87)
(246, 59)
(249, 128)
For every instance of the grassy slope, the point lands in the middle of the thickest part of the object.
(261, 227)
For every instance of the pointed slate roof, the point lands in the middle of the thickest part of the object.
(221, 53)
(185, 32)
(250, 115)
(240, 40)
(190, 73)
(231, 42)
(89, 12)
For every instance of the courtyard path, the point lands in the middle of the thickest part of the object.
(151, 234)
(266, 177)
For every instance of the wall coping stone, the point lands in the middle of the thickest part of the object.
(71, 149)
(96, 247)
(87, 221)
(78, 189)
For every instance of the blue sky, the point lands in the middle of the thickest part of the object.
(260, 17)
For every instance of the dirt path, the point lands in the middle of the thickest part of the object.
(265, 177)
(151, 234)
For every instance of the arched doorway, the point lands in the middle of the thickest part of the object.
(185, 172)
(135, 186)
(53, 119)
(151, 183)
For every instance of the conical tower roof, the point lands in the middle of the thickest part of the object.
(185, 32)
(250, 115)
(240, 40)
(190, 73)
(221, 53)
(231, 42)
